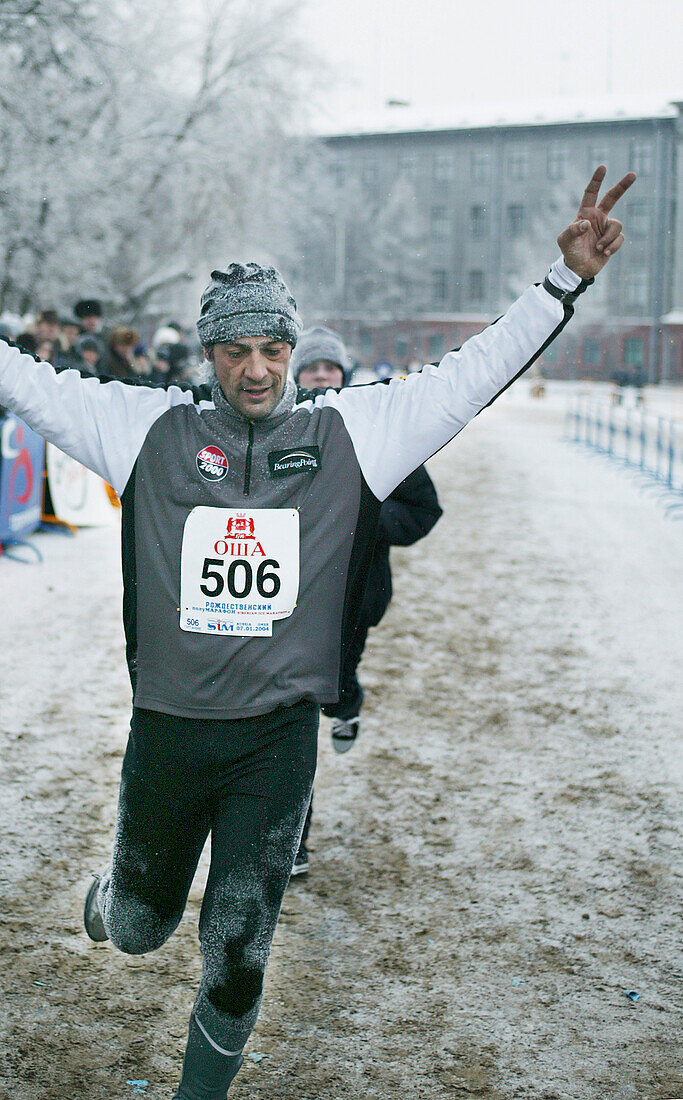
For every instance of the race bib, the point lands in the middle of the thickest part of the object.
(239, 570)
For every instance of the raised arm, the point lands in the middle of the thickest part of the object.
(396, 426)
(102, 423)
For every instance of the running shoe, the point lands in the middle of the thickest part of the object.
(301, 861)
(92, 918)
(344, 732)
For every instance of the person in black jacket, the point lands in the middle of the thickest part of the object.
(320, 361)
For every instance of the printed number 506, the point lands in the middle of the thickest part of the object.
(240, 578)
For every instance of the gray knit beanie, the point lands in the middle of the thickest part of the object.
(247, 300)
(320, 343)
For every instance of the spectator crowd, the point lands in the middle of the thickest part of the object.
(80, 340)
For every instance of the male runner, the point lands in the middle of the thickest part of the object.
(247, 522)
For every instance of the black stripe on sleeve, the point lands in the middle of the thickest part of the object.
(359, 562)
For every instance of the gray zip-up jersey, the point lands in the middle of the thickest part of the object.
(324, 466)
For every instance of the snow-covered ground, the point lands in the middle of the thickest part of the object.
(494, 864)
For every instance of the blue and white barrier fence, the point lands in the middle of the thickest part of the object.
(632, 436)
(22, 461)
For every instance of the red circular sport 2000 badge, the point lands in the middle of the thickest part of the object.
(212, 463)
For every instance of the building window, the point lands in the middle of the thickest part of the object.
(518, 164)
(444, 167)
(407, 163)
(642, 158)
(481, 166)
(638, 218)
(439, 223)
(435, 346)
(633, 351)
(339, 173)
(365, 340)
(514, 220)
(557, 162)
(476, 286)
(597, 154)
(478, 222)
(637, 286)
(370, 175)
(591, 350)
(439, 286)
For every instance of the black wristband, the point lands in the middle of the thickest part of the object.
(566, 296)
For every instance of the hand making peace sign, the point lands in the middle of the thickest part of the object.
(593, 237)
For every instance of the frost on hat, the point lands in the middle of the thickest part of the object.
(320, 343)
(247, 300)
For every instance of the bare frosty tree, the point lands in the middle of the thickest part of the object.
(129, 138)
(535, 249)
(386, 255)
(220, 98)
(51, 95)
(40, 19)
(348, 249)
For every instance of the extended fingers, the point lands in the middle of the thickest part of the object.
(610, 197)
(590, 195)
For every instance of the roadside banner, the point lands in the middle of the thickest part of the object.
(76, 495)
(22, 460)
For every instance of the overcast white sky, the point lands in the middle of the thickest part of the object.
(432, 52)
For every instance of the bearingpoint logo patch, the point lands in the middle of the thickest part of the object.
(294, 460)
(212, 463)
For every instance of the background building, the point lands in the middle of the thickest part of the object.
(439, 225)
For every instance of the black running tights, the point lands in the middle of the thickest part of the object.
(248, 783)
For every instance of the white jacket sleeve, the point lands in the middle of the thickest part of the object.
(396, 426)
(102, 424)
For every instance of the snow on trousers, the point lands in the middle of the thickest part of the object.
(246, 781)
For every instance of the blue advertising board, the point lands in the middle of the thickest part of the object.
(22, 461)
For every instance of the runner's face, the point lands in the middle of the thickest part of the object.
(321, 374)
(252, 373)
